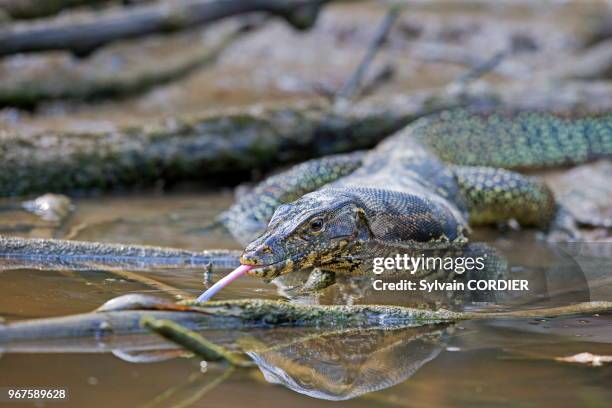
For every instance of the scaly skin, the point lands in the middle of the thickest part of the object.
(250, 215)
(414, 191)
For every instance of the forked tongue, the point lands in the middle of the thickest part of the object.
(223, 282)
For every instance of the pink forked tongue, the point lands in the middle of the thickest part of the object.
(223, 282)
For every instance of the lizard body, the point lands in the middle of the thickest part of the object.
(420, 189)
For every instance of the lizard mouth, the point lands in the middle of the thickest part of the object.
(273, 270)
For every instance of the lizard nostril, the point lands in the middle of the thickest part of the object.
(253, 256)
(249, 259)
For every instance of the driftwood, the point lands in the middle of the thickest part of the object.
(88, 86)
(85, 34)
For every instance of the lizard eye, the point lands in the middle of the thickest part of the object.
(316, 224)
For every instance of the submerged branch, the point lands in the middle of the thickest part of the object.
(192, 341)
(577, 308)
(84, 35)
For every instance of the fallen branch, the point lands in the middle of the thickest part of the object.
(116, 259)
(239, 140)
(125, 314)
(76, 255)
(83, 35)
(26, 9)
(179, 149)
(28, 92)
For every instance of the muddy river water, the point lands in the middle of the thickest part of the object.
(476, 363)
(501, 362)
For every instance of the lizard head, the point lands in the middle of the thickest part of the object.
(317, 230)
(336, 229)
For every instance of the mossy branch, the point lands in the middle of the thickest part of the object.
(281, 313)
(126, 314)
(236, 141)
(231, 141)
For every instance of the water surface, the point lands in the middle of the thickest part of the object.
(478, 363)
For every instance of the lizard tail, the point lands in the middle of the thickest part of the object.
(515, 140)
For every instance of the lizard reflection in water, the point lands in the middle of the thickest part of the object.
(332, 360)
(346, 364)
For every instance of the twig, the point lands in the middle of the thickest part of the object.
(84, 35)
(193, 342)
(479, 70)
(380, 77)
(352, 85)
